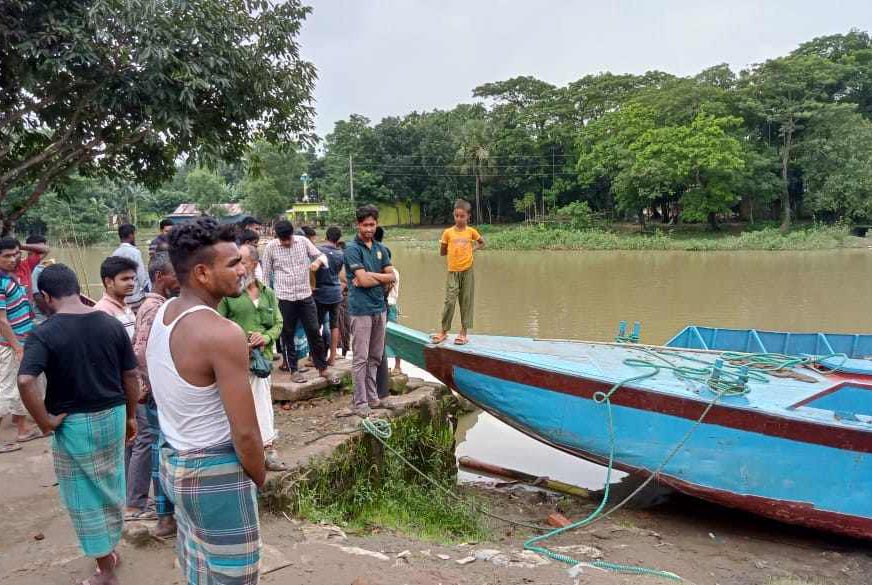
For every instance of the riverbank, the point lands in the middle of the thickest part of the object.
(702, 543)
(628, 237)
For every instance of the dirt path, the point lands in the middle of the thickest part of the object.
(704, 544)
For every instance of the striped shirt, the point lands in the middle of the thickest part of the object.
(286, 268)
(13, 300)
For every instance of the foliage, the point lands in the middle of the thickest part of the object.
(117, 88)
(273, 180)
(208, 190)
(576, 215)
(362, 485)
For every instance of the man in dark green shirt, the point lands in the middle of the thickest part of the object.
(369, 272)
(257, 312)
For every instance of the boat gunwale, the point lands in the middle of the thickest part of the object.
(441, 360)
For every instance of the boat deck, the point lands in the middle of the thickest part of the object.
(826, 398)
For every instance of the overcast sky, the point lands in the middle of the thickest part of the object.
(390, 57)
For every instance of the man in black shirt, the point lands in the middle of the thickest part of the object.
(90, 404)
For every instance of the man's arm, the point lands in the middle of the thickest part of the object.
(40, 250)
(229, 360)
(9, 335)
(28, 387)
(144, 321)
(315, 255)
(132, 392)
(271, 334)
(266, 264)
(443, 245)
(365, 279)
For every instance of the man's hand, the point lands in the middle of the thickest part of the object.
(19, 352)
(52, 422)
(314, 266)
(131, 431)
(256, 340)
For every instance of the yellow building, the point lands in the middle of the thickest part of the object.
(401, 213)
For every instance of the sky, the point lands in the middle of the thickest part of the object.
(390, 57)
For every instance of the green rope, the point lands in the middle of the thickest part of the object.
(723, 379)
(382, 431)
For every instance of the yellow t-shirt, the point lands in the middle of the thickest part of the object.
(460, 243)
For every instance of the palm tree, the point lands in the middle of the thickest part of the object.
(474, 155)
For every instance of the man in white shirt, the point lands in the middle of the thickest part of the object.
(128, 249)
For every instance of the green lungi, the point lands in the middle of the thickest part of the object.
(459, 286)
(88, 450)
(216, 515)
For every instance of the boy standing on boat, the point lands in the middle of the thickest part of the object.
(459, 243)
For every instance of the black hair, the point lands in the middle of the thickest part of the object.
(342, 245)
(248, 220)
(333, 234)
(248, 237)
(308, 231)
(365, 212)
(166, 222)
(159, 263)
(379, 234)
(35, 239)
(126, 230)
(59, 281)
(284, 229)
(115, 265)
(191, 243)
(9, 243)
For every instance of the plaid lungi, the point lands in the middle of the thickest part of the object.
(162, 504)
(216, 514)
(88, 450)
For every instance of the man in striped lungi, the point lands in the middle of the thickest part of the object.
(91, 409)
(211, 457)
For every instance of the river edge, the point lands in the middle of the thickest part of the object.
(518, 237)
(700, 542)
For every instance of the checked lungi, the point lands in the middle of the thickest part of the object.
(216, 513)
(162, 505)
(88, 452)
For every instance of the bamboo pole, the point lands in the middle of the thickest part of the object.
(470, 464)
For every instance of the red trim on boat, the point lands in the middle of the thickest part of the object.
(440, 361)
(830, 390)
(802, 514)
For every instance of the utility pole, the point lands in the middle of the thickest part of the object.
(351, 176)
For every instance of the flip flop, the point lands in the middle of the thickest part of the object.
(9, 447)
(438, 338)
(31, 436)
(460, 340)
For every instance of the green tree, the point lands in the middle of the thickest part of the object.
(474, 154)
(124, 88)
(207, 189)
(785, 92)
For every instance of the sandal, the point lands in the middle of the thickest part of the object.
(9, 447)
(461, 340)
(438, 338)
(31, 436)
(298, 378)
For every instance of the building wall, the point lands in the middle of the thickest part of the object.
(389, 215)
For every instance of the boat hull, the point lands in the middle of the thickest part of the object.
(793, 471)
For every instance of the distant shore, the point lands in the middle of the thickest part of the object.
(625, 237)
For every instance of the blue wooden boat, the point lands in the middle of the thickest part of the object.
(854, 349)
(795, 448)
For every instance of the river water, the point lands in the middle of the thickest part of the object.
(583, 295)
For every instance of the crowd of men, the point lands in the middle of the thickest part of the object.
(164, 384)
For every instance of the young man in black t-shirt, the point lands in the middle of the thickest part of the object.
(90, 405)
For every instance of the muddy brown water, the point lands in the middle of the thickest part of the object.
(583, 295)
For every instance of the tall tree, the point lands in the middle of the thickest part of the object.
(475, 157)
(785, 92)
(127, 87)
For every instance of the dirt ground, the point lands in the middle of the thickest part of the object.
(702, 543)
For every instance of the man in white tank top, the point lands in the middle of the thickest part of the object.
(212, 455)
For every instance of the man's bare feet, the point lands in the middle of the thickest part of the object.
(166, 527)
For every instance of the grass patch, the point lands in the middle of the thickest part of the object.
(364, 485)
(537, 238)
